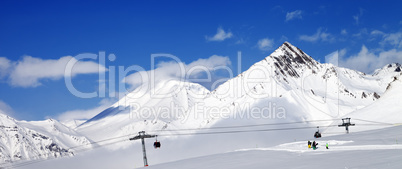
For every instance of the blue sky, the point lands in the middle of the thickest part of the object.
(37, 38)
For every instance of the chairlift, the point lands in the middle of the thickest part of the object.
(157, 144)
(317, 133)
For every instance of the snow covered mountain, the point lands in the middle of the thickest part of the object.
(168, 105)
(322, 90)
(288, 85)
(22, 140)
(384, 112)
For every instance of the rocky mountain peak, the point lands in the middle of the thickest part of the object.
(290, 60)
(390, 68)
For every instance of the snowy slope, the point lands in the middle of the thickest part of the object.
(22, 140)
(387, 109)
(358, 150)
(354, 150)
(385, 112)
(168, 105)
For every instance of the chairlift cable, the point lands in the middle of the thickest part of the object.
(244, 126)
(239, 131)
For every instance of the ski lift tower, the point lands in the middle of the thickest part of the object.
(346, 123)
(142, 135)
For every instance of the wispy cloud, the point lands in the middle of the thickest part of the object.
(297, 14)
(85, 114)
(394, 39)
(29, 71)
(357, 16)
(377, 32)
(220, 35)
(240, 41)
(283, 39)
(344, 32)
(320, 35)
(5, 108)
(5, 65)
(365, 61)
(361, 32)
(265, 44)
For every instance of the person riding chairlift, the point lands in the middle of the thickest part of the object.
(317, 134)
(157, 144)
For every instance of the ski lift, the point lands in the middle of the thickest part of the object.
(157, 144)
(317, 133)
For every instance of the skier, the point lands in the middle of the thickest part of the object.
(314, 145)
(326, 146)
(309, 144)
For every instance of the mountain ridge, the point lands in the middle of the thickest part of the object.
(22, 140)
(287, 74)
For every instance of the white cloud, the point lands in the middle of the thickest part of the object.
(265, 44)
(220, 35)
(365, 61)
(240, 41)
(394, 39)
(178, 70)
(297, 14)
(362, 32)
(377, 32)
(85, 114)
(344, 32)
(29, 71)
(5, 108)
(357, 16)
(5, 65)
(283, 38)
(318, 36)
